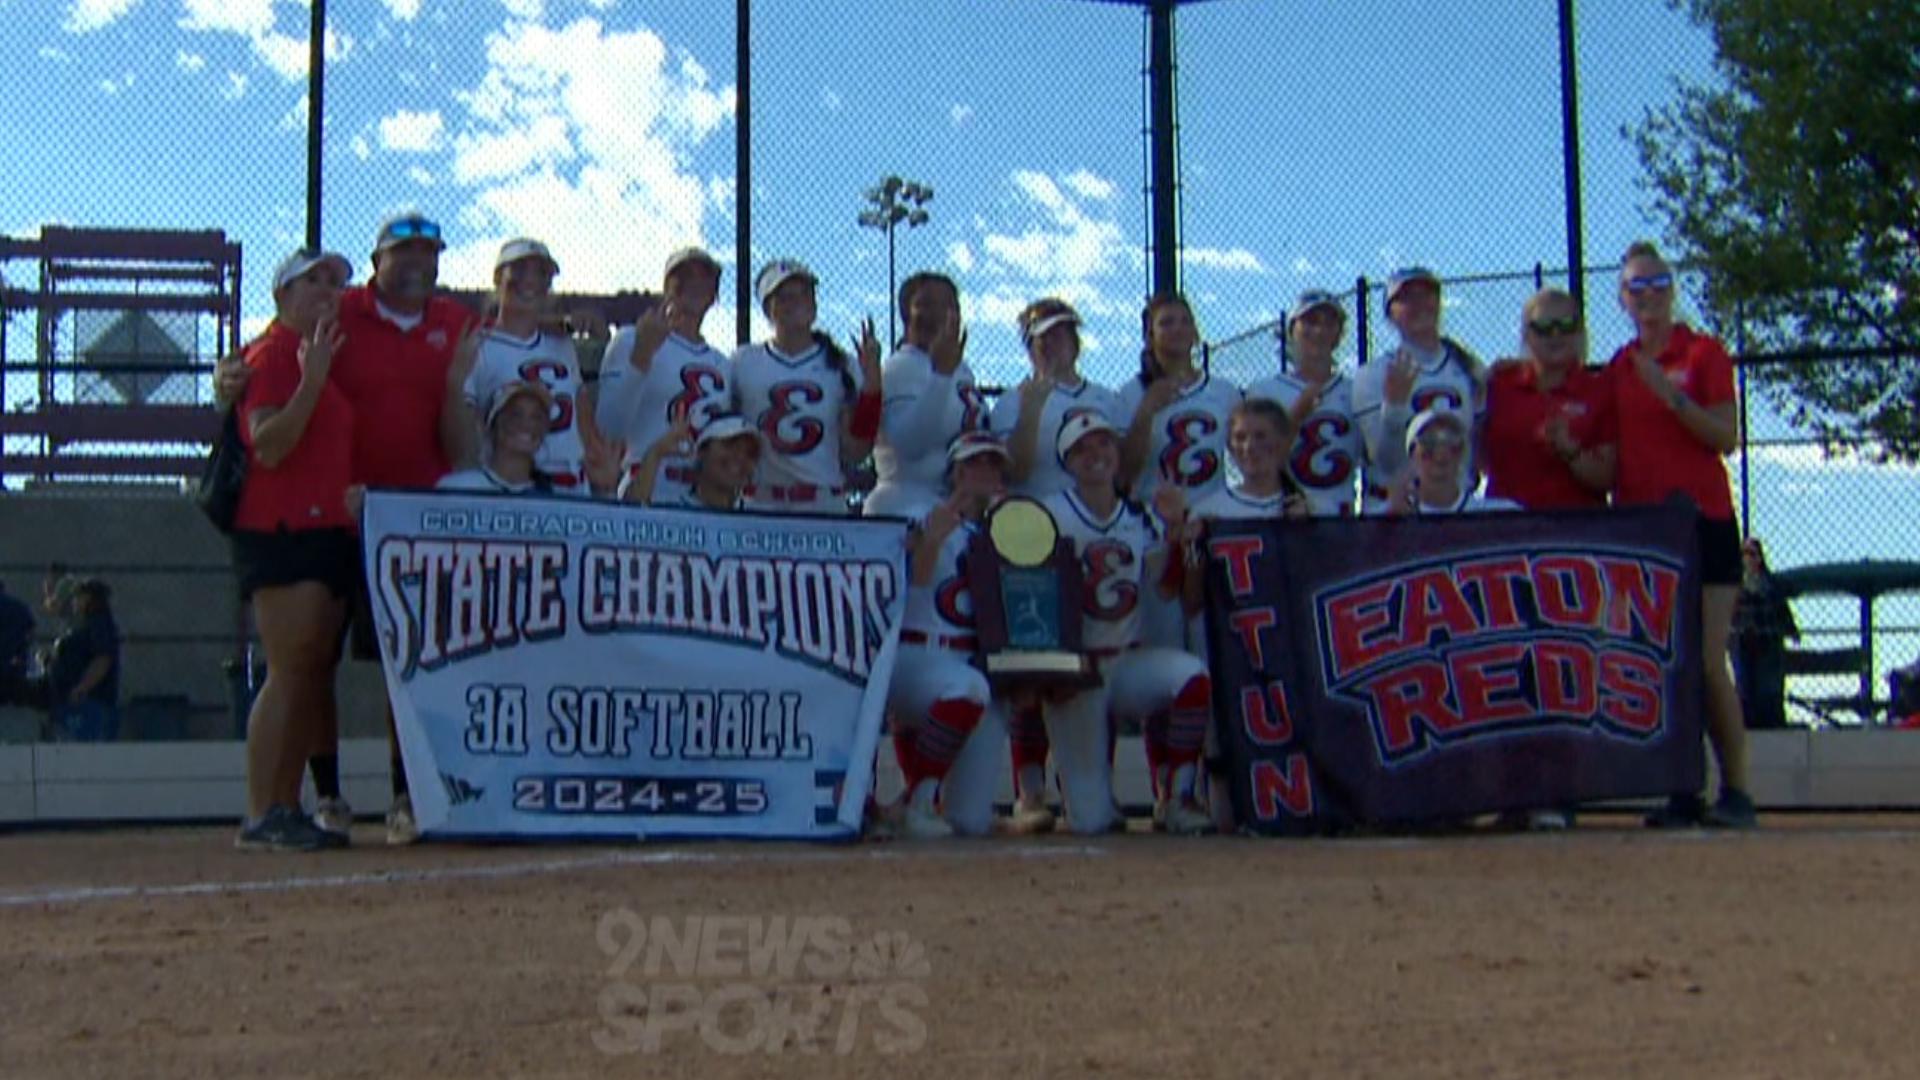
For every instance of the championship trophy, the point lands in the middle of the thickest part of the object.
(1026, 588)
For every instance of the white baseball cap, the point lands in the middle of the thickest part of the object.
(689, 255)
(1402, 278)
(1079, 428)
(1313, 300)
(778, 273)
(972, 444)
(524, 248)
(297, 264)
(725, 426)
(505, 395)
(1437, 414)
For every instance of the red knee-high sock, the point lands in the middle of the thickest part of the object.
(1186, 733)
(1027, 742)
(937, 744)
(1153, 736)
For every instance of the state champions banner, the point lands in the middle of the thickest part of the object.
(1419, 669)
(567, 668)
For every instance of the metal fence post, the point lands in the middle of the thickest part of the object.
(316, 111)
(743, 174)
(1746, 442)
(1360, 293)
(1570, 154)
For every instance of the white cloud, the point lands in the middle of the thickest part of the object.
(420, 176)
(583, 137)
(1088, 185)
(961, 256)
(48, 52)
(830, 100)
(114, 86)
(404, 10)
(530, 10)
(1069, 244)
(414, 132)
(1304, 266)
(86, 16)
(1234, 259)
(960, 114)
(284, 53)
(361, 148)
(189, 62)
(236, 86)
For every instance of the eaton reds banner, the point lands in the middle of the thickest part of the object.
(1403, 670)
(560, 667)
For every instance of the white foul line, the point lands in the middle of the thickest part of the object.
(88, 893)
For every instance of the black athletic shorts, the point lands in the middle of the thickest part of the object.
(1720, 552)
(264, 560)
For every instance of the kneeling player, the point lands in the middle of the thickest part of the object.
(1121, 555)
(939, 697)
(725, 455)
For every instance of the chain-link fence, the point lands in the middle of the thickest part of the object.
(1320, 146)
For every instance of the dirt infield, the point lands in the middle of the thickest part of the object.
(1607, 952)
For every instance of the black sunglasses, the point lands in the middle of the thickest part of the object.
(1554, 327)
(1660, 282)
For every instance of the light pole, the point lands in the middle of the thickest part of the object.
(895, 201)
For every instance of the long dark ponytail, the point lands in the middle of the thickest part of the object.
(838, 360)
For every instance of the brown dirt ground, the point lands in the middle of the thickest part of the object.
(1604, 953)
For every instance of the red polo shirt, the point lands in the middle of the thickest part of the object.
(396, 381)
(1658, 455)
(1521, 463)
(308, 489)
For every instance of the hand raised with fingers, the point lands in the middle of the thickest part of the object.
(1402, 371)
(317, 349)
(866, 349)
(650, 333)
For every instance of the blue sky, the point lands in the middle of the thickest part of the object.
(1320, 142)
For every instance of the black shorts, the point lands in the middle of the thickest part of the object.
(264, 560)
(1720, 562)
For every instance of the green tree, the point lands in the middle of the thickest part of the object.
(1792, 182)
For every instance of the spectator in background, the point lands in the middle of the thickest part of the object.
(53, 601)
(1762, 625)
(295, 550)
(16, 644)
(84, 678)
(1673, 392)
(1547, 439)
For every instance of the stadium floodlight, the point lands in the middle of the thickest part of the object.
(892, 203)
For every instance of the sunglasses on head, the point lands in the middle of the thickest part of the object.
(1656, 282)
(414, 228)
(1554, 327)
